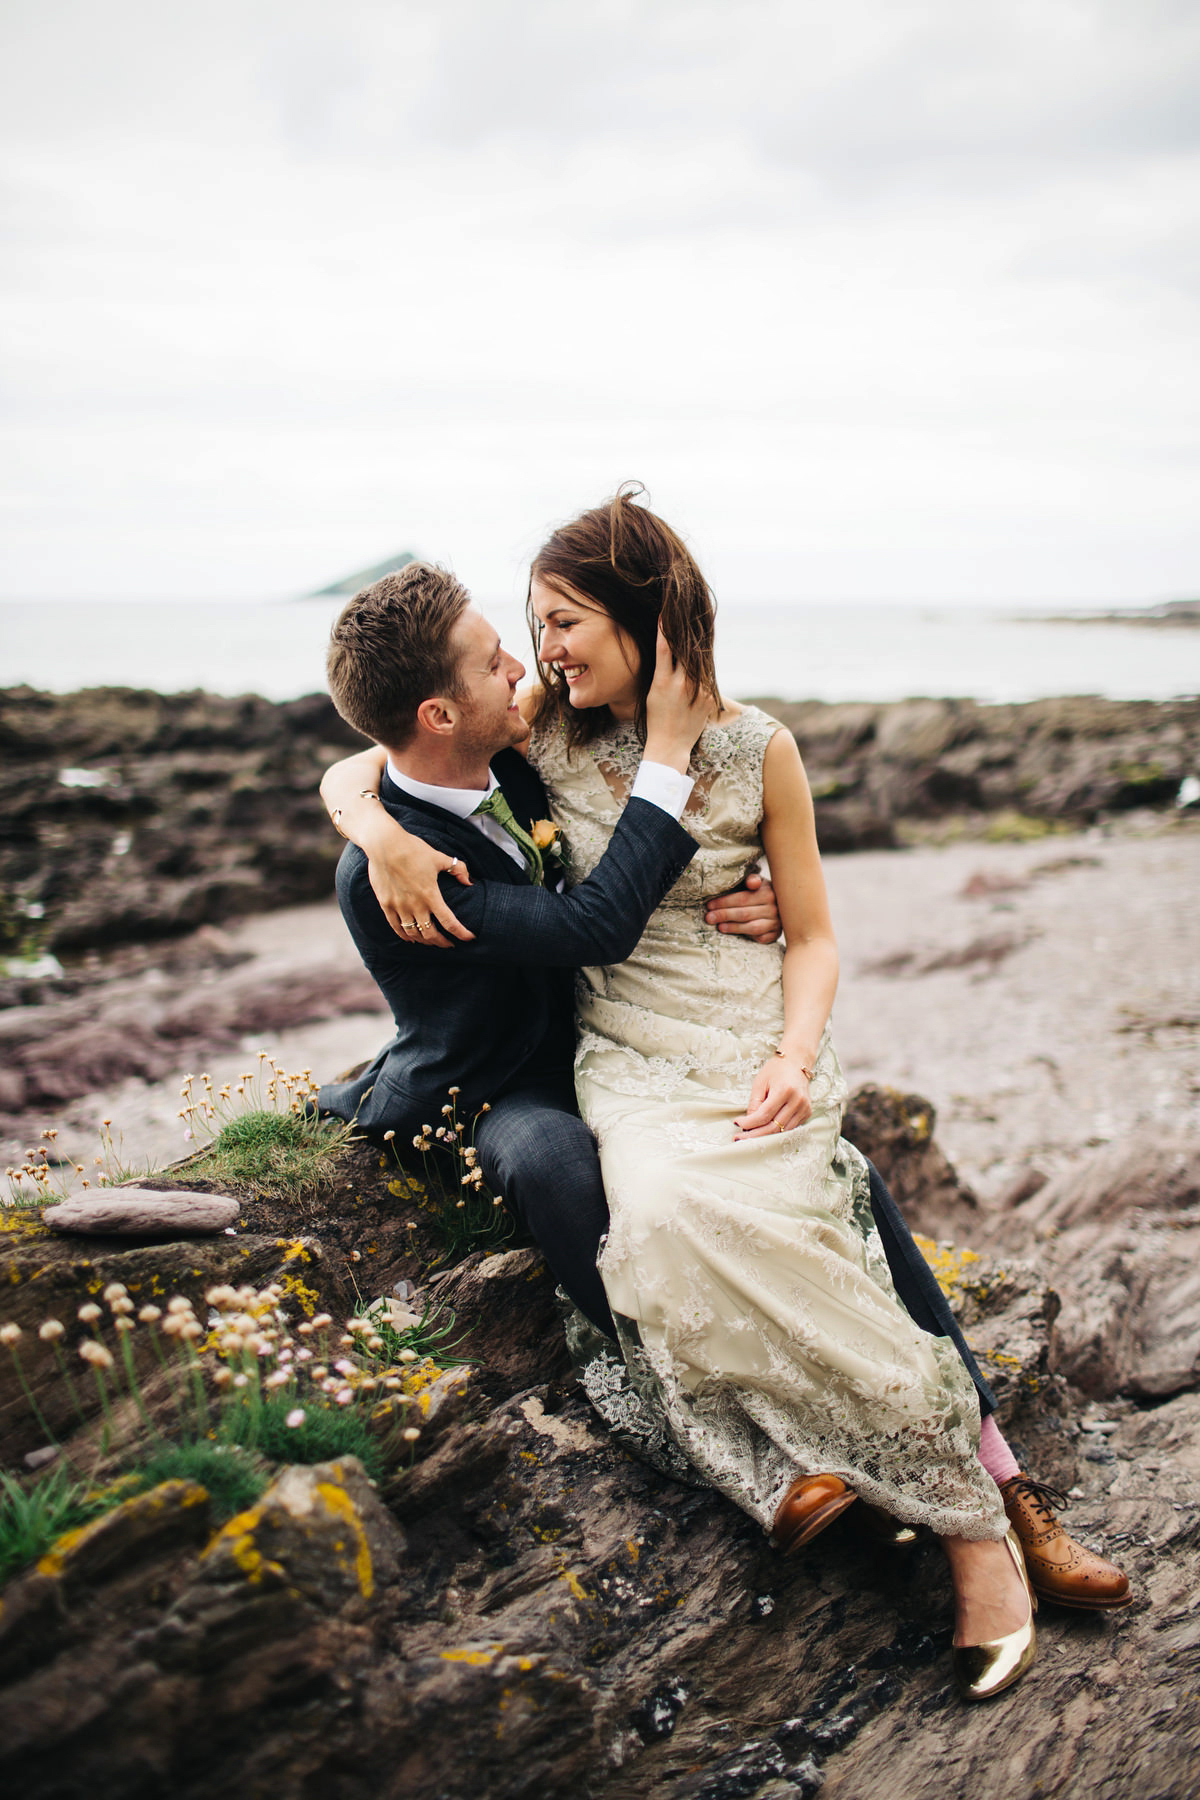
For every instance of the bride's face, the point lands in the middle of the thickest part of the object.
(597, 659)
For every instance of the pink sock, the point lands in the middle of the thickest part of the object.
(995, 1454)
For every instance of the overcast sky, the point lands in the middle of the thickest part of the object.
(883, 299)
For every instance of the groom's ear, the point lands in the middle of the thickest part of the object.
(438, 716)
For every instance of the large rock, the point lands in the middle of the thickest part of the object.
(1119, 1235)
(143, 1213)
(895, 1131)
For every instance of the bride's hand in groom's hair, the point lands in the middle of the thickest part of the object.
(749, 911)
(403, 871)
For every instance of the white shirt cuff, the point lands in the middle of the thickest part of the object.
(662, 786)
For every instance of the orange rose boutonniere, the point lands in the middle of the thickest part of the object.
(548, 839)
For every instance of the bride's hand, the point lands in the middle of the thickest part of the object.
(778, 1100)
(676, 713)
(403, 871)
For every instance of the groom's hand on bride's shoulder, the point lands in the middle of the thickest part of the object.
(749, 911)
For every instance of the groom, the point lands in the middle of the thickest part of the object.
(413, 665)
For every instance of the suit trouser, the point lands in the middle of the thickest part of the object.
(538, 1153)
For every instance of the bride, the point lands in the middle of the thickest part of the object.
(755, 1314)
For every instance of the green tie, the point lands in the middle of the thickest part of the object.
(499, 809)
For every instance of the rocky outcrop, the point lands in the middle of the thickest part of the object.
(525, 1611)
(134, 815)
(191, 808)
(883, 772)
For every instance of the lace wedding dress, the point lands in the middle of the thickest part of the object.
(760, 1337)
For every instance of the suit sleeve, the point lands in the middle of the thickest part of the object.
(600, 921)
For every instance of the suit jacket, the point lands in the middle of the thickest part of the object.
(479, 1014)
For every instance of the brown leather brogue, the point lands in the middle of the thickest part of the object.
(810, 1504)
(1059, 1569)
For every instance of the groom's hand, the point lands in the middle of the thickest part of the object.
(749, 911)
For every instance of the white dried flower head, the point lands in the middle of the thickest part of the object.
(50, 1329)
(375, 1345)
(122, 1304)
(498, 1201)
(241, 1381)
(173, 1324)
(357, 1325)
(319, 1371)
(304, 1355)
(191, 1329)
(323, 1321)
(9, 1334)
(447, 1112)
(148, 1314)
(368, 1385)
(123, 1325)
(285, 1354)
(388, 1136)
(344, 1396)
(230, 1344)
(408, 1356)
(295, 1418)
(305, 1327)
(279, 1378)
(410, 1434)
(391, 1382)
(345, 1367)
(116, 1290)
(346, 1342)
(96, 1354)
(221, 1297)
(222, 1377)
(88, 1314)
(177, 1304)
(460, 1204)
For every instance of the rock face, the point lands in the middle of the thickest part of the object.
(1120, 1237)
(525, 1611)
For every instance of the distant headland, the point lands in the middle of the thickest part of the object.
(350, 584)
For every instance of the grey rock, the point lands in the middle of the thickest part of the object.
(144, 1212)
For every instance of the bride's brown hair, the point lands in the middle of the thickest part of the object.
(627, 561)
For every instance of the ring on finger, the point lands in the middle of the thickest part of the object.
(452, 864)
(408, 924)
(425, 926)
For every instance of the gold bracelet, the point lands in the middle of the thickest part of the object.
(809, 1074)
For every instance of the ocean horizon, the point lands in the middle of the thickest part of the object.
(833, 652)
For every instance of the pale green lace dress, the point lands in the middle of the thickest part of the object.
(760, 1334)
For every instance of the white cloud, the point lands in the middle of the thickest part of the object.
(887, 300)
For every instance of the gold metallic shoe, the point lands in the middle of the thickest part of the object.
(982, 1670)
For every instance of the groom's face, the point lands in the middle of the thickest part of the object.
(488, 717)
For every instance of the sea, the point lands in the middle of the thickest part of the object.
(788, 652)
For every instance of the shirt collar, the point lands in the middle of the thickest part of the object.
(460, 801)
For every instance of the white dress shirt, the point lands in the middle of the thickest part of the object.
(658, 783)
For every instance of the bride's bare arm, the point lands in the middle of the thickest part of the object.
(779, 1098)
(403, 869)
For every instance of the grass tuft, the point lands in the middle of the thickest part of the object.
(233, 1477)
(32, 1517)
(279, 1153)
(324, 1434)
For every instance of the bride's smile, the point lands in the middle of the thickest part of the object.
(580, 642)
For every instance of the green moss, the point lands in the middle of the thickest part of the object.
(233, 1478)
(326, 1433)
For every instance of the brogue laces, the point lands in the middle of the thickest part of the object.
(1046, 1500)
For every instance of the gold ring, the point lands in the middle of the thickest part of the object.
(425, 926)
(408, 924)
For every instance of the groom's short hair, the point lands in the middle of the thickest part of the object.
(390, 648)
